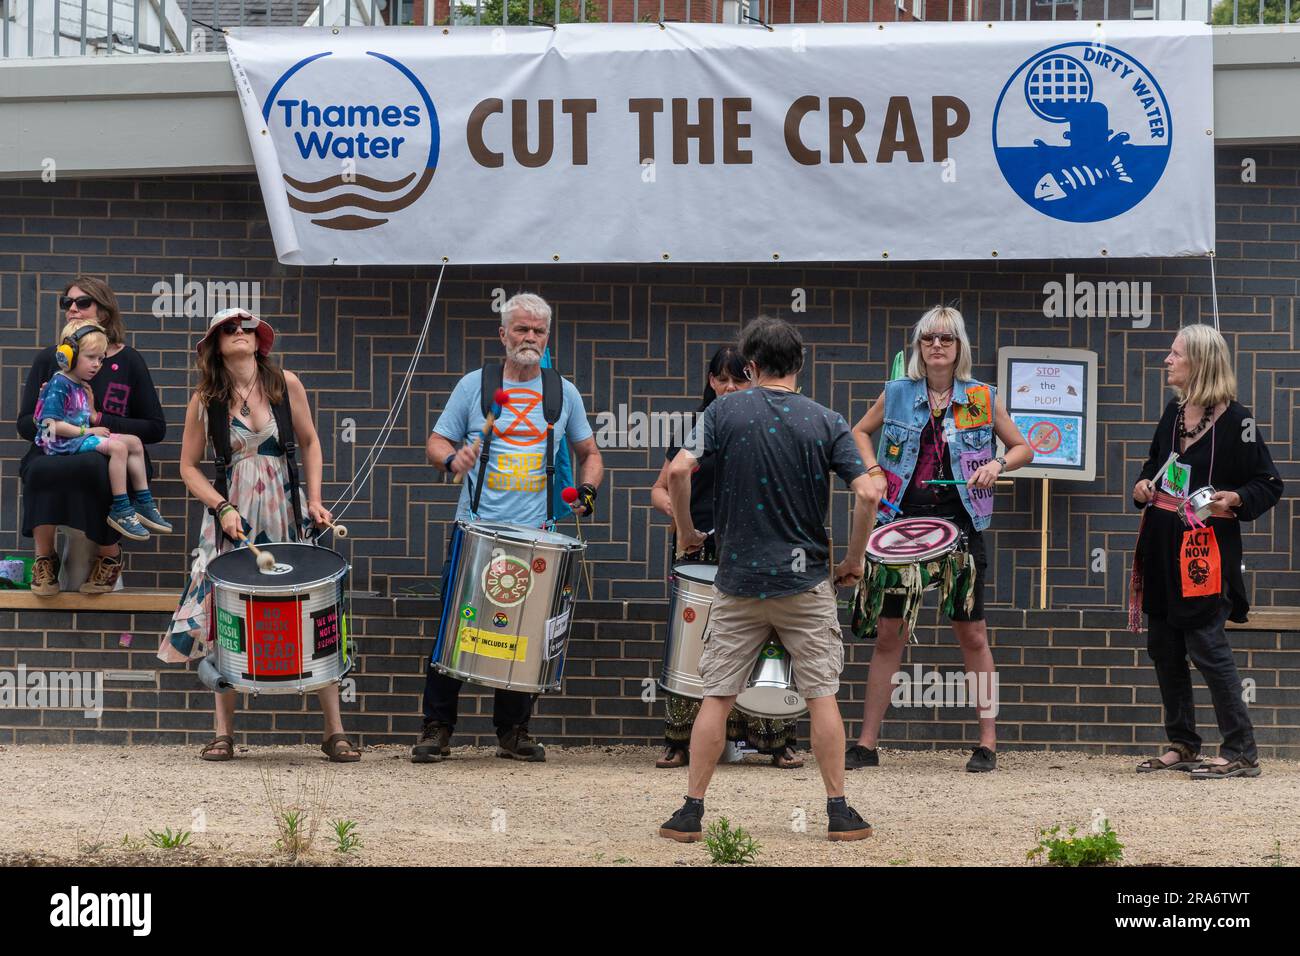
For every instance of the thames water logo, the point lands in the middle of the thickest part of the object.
(355, 158)
(1082, 132)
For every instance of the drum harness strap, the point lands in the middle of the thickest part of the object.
(552, 407)
(219, 435)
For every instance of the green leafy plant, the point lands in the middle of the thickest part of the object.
(1248, 12)
(346, 839)
(726, 845)
(297, 820)
(489, 12)
(1093, 849)
(166, 840)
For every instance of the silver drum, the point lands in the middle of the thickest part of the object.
(283, 630)
(1200, 501)
(688, 626)
(507, 606)
(771, 692)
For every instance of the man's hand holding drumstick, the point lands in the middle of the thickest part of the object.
(467, 457)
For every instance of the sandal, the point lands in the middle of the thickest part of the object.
(674, 757)
(339, 749)
(218, 748)
(787, 759)
(1185, 762)
(1233, 768)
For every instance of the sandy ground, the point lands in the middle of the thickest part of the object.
(603, 805)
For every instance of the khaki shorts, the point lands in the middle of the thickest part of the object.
(807, 624)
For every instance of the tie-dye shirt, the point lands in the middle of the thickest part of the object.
(63, 400)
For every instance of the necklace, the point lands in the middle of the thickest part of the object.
(943, 399)
(1183, 432)
(244, 409)
(773, 385)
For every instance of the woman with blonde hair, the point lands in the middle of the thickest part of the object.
(937, 460)
(1187, 573)
(240, 381)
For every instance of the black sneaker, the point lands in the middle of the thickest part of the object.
(847, 824)
(684, 825)
(516, 744)
(858, 756)
(433, 745)
(982, 760)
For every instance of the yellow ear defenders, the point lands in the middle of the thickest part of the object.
(66, 354)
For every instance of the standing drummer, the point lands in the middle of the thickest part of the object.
(938, 426)
(777, 450)
(514, 484)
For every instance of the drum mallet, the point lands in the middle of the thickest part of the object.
(340, 530)
(956, 481)
(499, 400)
(570, 496)
(264, 559)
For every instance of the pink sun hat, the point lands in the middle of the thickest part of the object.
(265, 334)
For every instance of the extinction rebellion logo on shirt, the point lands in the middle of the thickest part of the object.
(351, 161)
(1082, 132)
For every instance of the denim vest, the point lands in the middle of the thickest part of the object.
(967, 428)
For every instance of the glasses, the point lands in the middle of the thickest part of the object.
(230, 328)
(945, 338)
(82, 302)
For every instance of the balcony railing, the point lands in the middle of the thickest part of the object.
(45, 28)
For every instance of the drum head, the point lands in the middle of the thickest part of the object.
(520, 534)
(912, 540)
(696, 571)
(296, 565)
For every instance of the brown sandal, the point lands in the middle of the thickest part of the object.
(1220, 771)
(1185, 762)
(218, 748)
(787, 759)
(674, 757)
(339, 749)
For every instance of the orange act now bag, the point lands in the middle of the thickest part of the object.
(1198, 561)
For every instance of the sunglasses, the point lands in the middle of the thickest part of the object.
(247, 325)
(945, 338)
(82, 302)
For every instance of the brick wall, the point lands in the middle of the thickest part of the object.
(639, 335)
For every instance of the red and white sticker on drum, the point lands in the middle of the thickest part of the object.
(506, 581)
(275, 644)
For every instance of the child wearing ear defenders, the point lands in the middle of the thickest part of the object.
(64, 413)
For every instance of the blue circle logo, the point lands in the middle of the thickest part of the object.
(1082, 132)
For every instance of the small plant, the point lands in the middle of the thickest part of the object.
(166, 840)
(296, 821)
(1277, 854)
(726, 845)
(901, 861)
(346, 839)
(1094, 849)
(131, 844)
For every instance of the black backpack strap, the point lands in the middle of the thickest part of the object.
(491, 378)
(283, 413)
(552, 406)
(219, 436)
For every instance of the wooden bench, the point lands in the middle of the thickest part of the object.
(127, 599)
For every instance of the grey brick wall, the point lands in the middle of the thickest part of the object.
(639, 335)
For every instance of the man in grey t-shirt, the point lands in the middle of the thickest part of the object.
(775, 451)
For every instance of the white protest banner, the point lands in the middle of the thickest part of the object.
(707, 142)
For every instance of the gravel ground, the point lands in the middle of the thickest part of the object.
(602, 806)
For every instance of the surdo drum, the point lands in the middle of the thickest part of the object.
(770, 691)
(507, 606)
(283, 630)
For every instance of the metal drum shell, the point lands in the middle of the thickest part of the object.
(692, 591)
(479, 637)
(311, 596)
(1200, 501)
(770, 692)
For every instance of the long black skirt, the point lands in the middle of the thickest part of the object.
(71, 490)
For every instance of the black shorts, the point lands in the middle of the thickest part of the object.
(892, 607)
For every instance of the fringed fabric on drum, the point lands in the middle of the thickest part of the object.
(868, 599)
(1135, 581)
(679, 717)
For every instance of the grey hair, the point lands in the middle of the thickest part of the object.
(534, 305)
(942, 318)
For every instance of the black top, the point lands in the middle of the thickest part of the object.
(701, 489)
(932, 499)
(73, 490)
(1243, 466)
(774, 453)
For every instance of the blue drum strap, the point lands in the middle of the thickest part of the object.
(448, 586)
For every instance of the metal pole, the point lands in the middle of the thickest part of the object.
(1042, 574)
(83, 27)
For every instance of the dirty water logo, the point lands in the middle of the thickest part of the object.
(1082, 132)
(351, 161)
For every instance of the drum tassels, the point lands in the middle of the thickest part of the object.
(1135, 581)
(868, 599)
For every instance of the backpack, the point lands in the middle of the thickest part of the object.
(552, 406)
(219, 435)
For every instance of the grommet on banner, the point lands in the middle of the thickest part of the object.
(336, 31)
(776, 257)
(1104, 252)
(263, 132)
(665, 257)
(445, 31)
(1209, 132)
(556, 257)
(884, 255)
(995, 253)
(445, 259)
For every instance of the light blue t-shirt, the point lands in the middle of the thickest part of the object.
(515, 486)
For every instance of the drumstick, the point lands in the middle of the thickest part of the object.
(570, 495)
(264, 559)
(499, 400)
(340, 530)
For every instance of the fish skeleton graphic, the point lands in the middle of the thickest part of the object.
(1061, 184)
